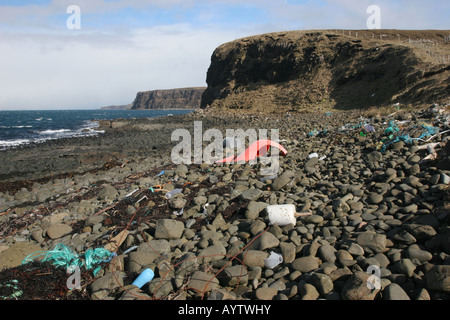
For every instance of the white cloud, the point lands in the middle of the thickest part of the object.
(94, 70)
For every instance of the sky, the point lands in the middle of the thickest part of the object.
(106, 51)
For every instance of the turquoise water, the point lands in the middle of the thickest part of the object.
(24, 127)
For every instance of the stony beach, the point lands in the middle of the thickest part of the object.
(378, 213)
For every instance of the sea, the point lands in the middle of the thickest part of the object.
(19, 128)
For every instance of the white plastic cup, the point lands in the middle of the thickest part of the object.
(273, 260)
(282, 215)
(145, 277)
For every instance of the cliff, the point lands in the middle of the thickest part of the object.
(118, 107)
(183, 98)
(303, 70)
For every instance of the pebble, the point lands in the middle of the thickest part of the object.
(438, 278)
(375, 198)
(201, 282)
(266, 293)
(58, 230)
(305, 264)
(322, 283)
(405, 266)
(169, 229)
(372, 241)
(394, 292)
(309, 292)
(356, 288)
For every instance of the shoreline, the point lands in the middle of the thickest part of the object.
(83, 192)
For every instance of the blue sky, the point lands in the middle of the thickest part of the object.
(126, 46)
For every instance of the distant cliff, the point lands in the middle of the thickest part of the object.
(118, 107)
(305, 70)
(182, 98)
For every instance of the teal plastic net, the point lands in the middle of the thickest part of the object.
(395, 134)
(63, 256)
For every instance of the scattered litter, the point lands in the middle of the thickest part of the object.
(432, 155)
(256, 149)
(145, 277)
(172, 193)
(393, 128)
(205, 206)
(143, 198)
(130, 249)
(316, 132)
(161, 173)
(131, 193)
(396, 134)
(369, 128)
(180, 213)
(273, 260)
(117, 241)
(281, 215)
(284, 214)
(62, 256)
(313, 155)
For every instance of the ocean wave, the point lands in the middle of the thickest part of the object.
(13, 143)
(50, 132)
(15, 127)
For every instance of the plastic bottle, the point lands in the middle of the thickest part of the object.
(145, 277)
(273, 260)
(173, 192)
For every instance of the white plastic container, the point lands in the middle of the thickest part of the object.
(282, 215)
(173, 193)
(273, 260)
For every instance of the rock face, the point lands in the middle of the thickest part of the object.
(183, 98)
(300, 69)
